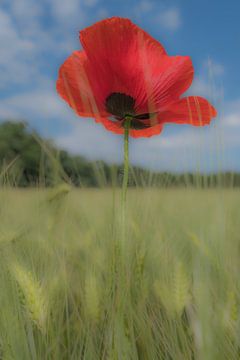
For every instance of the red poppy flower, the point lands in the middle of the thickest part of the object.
(123, 72)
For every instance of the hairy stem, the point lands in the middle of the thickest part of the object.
(126, 162)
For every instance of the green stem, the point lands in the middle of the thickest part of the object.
(126, 162)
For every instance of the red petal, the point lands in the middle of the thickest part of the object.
(193, 110)
(110, 125)
(117, 128)
(153, 130)
(170, 77)
(75, 87)
(115, 38)
(122, 58)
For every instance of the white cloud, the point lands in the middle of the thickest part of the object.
(214, 69)
(200, 87)
(10, 39)
(43, 103)
(16, 51)
(24, 39)
(170, 18)
(145, 6)
(90, 3)
(26, 10)
(204, 87)
(231, 119)
(91, 140)
(158, 13)
(67, 12)
(102, 13)
(208, 82)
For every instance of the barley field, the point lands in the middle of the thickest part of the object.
(76, 285)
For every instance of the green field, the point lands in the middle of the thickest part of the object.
(75, 285)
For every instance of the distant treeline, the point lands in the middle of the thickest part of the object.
(26, 159)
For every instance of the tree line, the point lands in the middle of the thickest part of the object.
(27, 159)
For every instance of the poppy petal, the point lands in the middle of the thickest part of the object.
(153, 130)
(114, 126)
(193, 110)
(117, 128)
(170, 77)
(127, 60)
(74, 86)
(119, 54)
(119, 58)
(114, 38)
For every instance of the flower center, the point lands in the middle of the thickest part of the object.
(120, 105)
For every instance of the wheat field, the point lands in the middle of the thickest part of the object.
(75, 285)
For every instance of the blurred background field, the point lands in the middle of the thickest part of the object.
(73, 287)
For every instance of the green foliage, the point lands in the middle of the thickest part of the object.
(31, 160)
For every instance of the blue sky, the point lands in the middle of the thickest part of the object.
(37, 36)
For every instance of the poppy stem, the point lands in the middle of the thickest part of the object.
(126, 161)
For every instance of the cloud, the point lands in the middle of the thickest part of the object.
(44, 103)
(204, 87)
(233, 120)
(214, 69)
(170, 19)
(91, 140)
(27, 44)
(143, 7)
(208, 81)
(90, 3)
(15, 54)
(11, 42)
(67, 13)
(200, 87)
(26, 12)
(232, 117)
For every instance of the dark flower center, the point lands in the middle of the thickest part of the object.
(122, 106)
